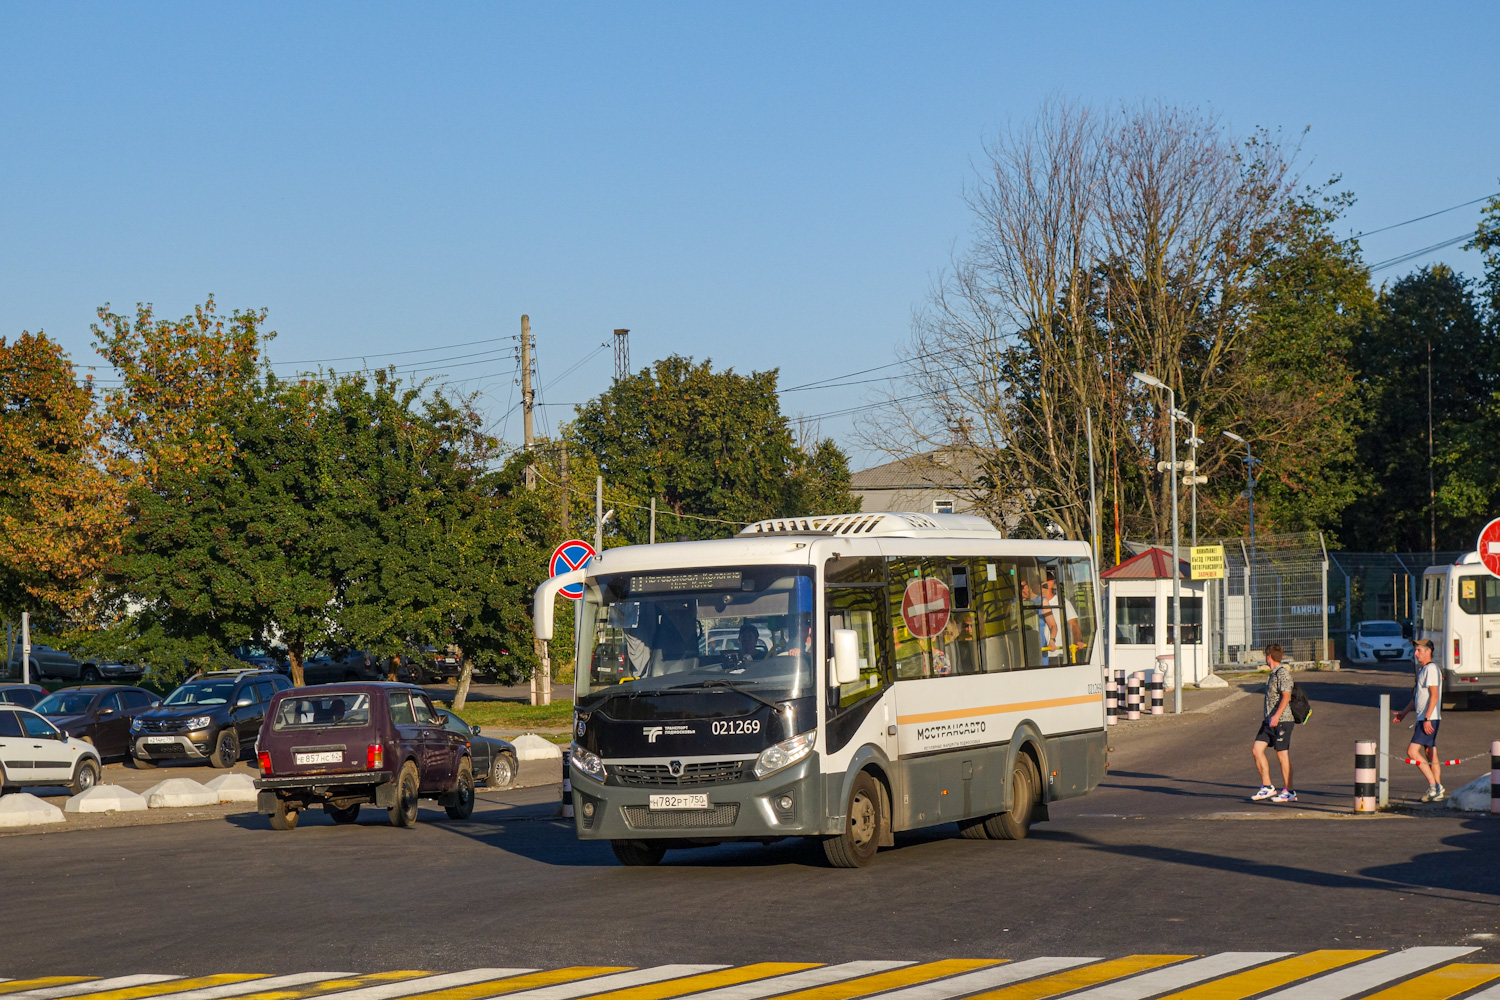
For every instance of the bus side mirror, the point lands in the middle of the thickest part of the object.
(845, 656)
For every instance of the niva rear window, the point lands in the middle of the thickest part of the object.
(323, 710)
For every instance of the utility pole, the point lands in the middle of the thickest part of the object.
(652, 540)
(599, 514)
(622, 354)
(25, 647)
(1431, 485)
(528, 397)
(567, 496)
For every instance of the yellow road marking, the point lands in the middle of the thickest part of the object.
(1074, 979)
(335, 985)
(1440, 984)
(171, 986)
(1019, 706)
(704, 981)
(882, 981)
(18, 985)
(1268, 977)
(531, 980)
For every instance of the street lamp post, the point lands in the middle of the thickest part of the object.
(1192, 480)
(1249, 495)
(1156, 383)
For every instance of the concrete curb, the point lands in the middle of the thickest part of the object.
(178, 792)
(233, 788)
(25, 809)
(105, 798)
(532, 747)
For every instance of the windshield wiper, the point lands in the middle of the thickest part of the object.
(721, 683)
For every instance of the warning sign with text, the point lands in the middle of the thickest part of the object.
(1208, 562)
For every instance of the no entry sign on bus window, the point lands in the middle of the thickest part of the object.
(925, 606)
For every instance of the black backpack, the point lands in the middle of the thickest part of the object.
(1299, 706)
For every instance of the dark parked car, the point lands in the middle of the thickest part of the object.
(25, 695)
(213, 716)
(260, 658)
(343, 665)
(98, 715)
(47, 662)
(494, 759)
(360, 744)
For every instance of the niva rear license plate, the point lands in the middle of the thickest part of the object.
(699, 801)
(328, 757)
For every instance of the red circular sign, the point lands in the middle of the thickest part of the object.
(925, 606)
(1489, 546)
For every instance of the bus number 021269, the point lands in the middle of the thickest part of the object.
(734, 727)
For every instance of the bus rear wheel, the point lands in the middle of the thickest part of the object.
(637, 852)
(864, 826)
(1014, 823)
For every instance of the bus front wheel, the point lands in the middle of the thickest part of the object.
(1014, 823)
(864, 825)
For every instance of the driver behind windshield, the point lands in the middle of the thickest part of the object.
(749, 639)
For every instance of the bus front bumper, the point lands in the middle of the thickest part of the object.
(785, 804)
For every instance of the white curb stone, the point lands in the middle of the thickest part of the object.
(25, 809)
(103, 799)
(533, 747)
(177, 792)
(1213, 681)
(1473, 797)
(233, 788)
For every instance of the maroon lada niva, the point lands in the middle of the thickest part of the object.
(348, 745)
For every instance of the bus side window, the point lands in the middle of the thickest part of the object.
(912, 657)
(1470, 594)
(999, 623)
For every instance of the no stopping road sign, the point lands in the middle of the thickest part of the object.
(570, 555)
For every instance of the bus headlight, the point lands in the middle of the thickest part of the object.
(784, 754)
(587, 763)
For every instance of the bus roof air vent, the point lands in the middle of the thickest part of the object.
(874, 525)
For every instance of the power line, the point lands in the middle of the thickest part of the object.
(1429, 215)
(1413, 255)
(392, 354)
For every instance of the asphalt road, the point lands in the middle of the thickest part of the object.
(1167, 856)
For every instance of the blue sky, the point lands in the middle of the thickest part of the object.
(767, 185)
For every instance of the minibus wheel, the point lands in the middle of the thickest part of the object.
(1014, 823)
(864, 825)
(638, 852)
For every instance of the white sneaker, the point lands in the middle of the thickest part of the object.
(1431, 795)
(1442, 793)
(1285, 795)
(1266, 791)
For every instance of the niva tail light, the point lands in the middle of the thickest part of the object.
(265, 761)
(375, 756)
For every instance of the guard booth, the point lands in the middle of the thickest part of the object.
(1138, 609)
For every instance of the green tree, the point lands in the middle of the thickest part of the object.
(1428, 324)
(712, 447)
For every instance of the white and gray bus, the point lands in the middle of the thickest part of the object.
(839, 677)
(1461, 615)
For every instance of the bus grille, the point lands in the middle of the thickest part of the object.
(641, 818)
(713, 772)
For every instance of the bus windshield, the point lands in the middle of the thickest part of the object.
(747, 627)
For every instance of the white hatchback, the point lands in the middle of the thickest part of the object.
(35, 752)
(1379, 642)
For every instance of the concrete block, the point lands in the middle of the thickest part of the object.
(178, 792)
(233, 787)
(103, 799)
(1213, 681)
(1473, 797)
(532, 747)
(25, 809)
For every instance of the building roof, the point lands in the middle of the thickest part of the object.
(1153, 564)
(945, 467)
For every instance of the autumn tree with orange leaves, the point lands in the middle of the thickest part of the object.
(61, 514)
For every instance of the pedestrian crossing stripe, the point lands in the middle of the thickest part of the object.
(1426, 973)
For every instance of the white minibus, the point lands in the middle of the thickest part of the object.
(1461, 615)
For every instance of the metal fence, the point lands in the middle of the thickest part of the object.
(1307, 598)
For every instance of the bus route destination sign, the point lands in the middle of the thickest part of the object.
(1489, 546)
(570, 555)
(925, 606)
(1207, 562)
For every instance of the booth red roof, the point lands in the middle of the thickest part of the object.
(1153, 564)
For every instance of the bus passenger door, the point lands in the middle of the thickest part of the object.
(864, 711)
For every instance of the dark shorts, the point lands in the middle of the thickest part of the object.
(1279, 738)
(1420, 737)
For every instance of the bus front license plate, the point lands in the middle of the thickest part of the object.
(679, 801)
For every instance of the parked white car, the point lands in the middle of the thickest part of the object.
(35, 752)
(1379, 642)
